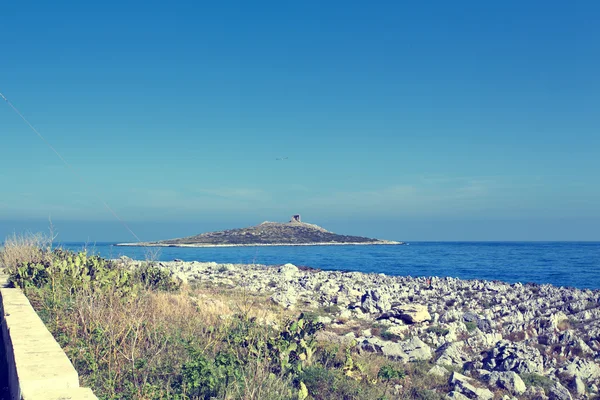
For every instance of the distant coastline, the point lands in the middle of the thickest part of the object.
(151, 244)
(292, 233)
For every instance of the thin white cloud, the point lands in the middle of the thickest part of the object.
(234, 193)
(421, 197)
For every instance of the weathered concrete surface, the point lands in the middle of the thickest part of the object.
(38, 368)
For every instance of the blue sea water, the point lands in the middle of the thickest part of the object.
(575, 264)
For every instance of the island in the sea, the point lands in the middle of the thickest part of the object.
(292, 233)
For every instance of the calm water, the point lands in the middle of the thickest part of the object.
(560, 263)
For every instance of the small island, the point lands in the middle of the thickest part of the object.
(292, 233)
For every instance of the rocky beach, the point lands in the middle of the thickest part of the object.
(485, 337)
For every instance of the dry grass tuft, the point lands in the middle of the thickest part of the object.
(24, 248)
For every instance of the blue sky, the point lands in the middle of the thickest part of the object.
(432, 121)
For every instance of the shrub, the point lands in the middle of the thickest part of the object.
(438, 330)
(424, 394)
(387, 335)
(154, 277)
(333, 309)
(389, 372)
(326, 384)
(538, 380)
(24, 249)
(295, 345)
(80, 271)
(470, 326)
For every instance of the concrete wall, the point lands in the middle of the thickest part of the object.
(38, 369)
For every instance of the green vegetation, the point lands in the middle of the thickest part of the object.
(537, 380)
(133, 331)
(438, 330)
(387, 335)
(334, 309)
(389, 372)
(470, 326)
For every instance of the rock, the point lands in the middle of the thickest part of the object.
(556, 319)
(288, 271)
(436, 370)
(509, 356)
(536, 393)
(578, 387)
(329, 289)
(375, 301)
(397, 330)
(559, 392)
(286, 298)
(456, 395)
(484, 325)
(182, 277)
(470, 317)
(482, 340)
(582, 369)
(451, 354)
(462, 384)
(507, 380)
(331, 337)
(412, 349)
(409, 313)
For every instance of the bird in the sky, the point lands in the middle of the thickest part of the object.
(281, 158)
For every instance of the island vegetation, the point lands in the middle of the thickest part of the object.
(292, 233)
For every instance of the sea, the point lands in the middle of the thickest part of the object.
(570, 264)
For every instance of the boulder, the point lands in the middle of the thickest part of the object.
(470, 317)
(462, 384)
(286, 298)
(508, 380)
(451, 354)
(375, 301)
(412, 349)
(436, 370)
(288, 271)
(559, 392)
(578, 387)
(409, 313)
(510, 356)
(536, 393)
(582, 369)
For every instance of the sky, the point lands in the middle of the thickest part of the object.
(430, 120)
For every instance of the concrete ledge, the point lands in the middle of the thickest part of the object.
(38, 369)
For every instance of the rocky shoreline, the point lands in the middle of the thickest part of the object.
(529, 340)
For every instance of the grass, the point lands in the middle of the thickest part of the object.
(537, 380)
(141, 334)
(438, 330)
(470, 326)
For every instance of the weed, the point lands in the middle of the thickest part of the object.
(387, 335)
(532, 379)
(438, 330)
(334, 309)
(389, 372)
(470, 326)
